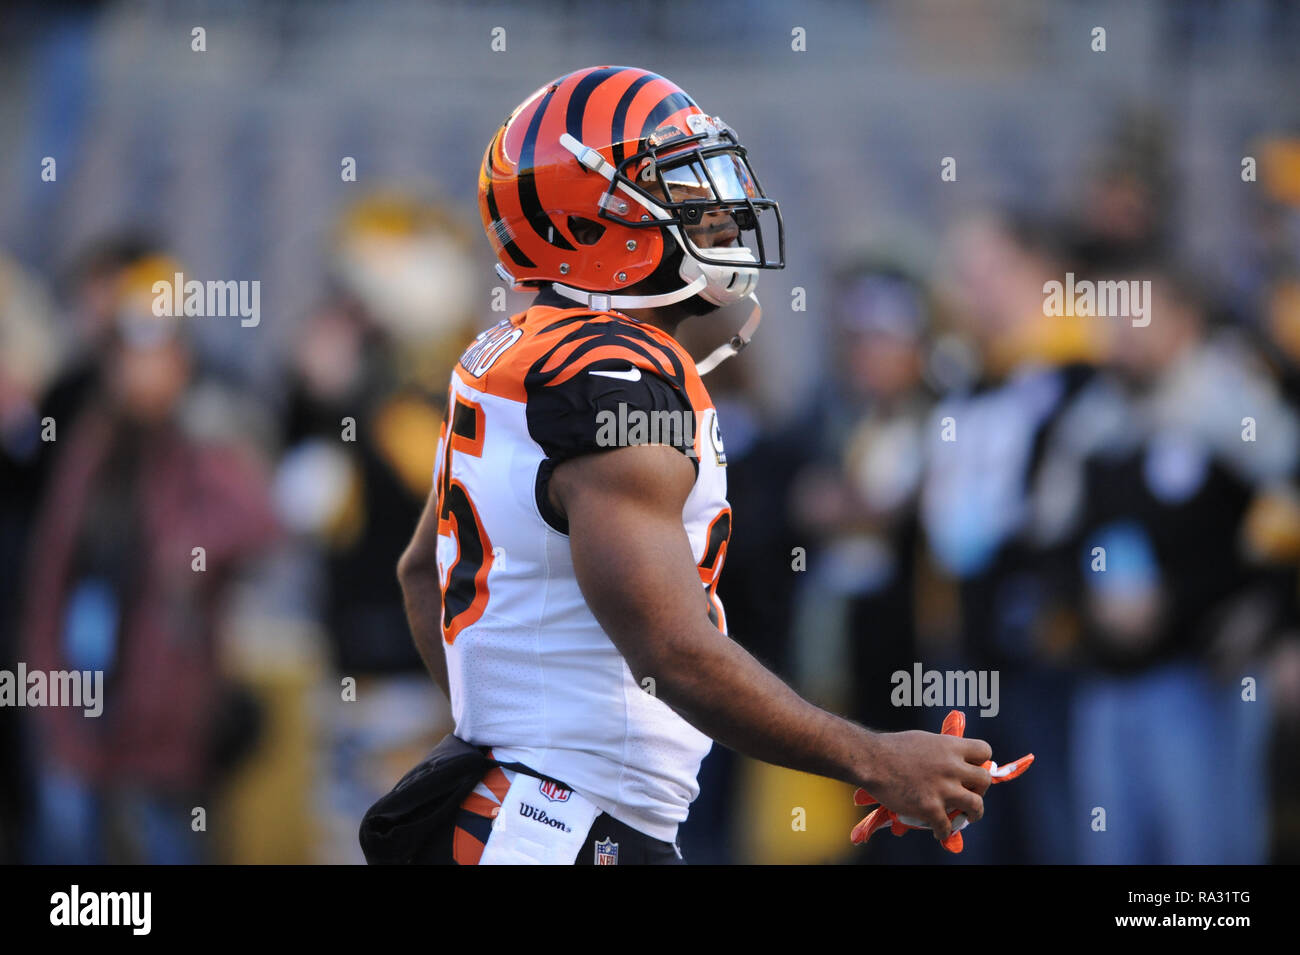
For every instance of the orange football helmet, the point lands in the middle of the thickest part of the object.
(609, 183)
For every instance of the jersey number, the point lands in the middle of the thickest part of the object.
(465, 593)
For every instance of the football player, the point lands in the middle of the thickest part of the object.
(561, 583)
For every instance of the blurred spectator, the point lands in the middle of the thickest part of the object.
(852, 505)
(367, 375)
(116, 585)
(28, 358)
(96, 279)
(986, 508)
(853, 501)
(1123, 214)
(1175, 614)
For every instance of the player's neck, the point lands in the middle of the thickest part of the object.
(665, 319)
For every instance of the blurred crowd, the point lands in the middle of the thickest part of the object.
(226, 560)
(1104, 513)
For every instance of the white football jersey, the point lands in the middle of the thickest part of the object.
(532, 674)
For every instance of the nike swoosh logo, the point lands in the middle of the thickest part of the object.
(632, 374)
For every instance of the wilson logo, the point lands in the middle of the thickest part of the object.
(537, 815)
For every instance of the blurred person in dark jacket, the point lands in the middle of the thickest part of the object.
(853, 501)
(95, 278)
(989, 510)
(1122, 215)
(361, 436)
(117, 584)
(1176, 612)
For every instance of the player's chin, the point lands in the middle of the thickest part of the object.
(729, 239)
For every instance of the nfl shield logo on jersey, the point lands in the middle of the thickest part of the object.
(607, 852)
(553, 791)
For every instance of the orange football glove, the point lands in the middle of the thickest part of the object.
(953, 725)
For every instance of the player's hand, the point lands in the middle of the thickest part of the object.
(927, 775)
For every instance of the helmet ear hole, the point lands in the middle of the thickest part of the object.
(585, 231)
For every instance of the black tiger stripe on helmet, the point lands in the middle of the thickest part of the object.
(530, 187)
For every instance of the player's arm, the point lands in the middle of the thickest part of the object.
(634, 564)
(417, 571)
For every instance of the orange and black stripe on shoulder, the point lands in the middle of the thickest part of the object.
(601, 342)
(598, 370)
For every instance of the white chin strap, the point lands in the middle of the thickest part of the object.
(736, 344)
(603, 301)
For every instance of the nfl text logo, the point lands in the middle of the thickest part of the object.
(553, 791)
(607, 852)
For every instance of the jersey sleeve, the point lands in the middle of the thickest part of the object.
(609, 404)
(606, 382)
